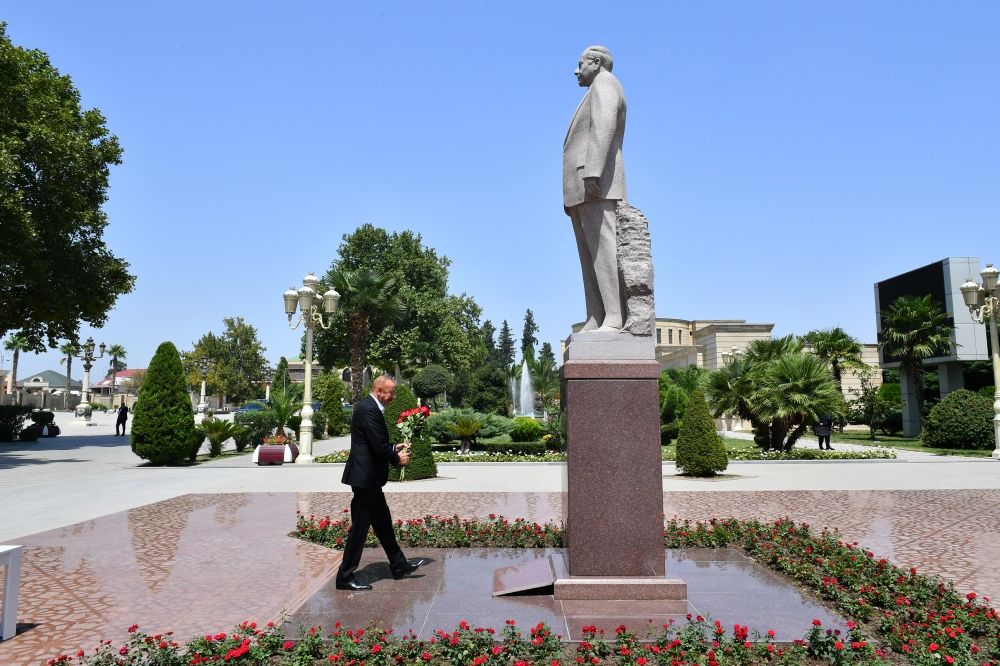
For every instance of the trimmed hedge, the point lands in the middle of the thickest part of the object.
(526, 429)
(962, 420)
(163, 426)
(700, 450)
(259, 424)
(403, 401)
(11, 421)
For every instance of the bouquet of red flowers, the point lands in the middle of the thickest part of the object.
(412, 421)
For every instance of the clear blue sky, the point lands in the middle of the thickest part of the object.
(787, 154)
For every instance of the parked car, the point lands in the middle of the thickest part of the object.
(251, 407)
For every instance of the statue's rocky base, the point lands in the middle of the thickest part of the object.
(614, 506)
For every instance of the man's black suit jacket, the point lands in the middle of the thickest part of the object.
(371, 452)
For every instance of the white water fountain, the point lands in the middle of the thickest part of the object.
(526, 394)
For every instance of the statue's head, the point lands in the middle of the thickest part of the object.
(592, 61)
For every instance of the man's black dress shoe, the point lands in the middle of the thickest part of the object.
(408, 568)
(352, 584)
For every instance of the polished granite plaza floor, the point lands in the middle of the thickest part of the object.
(199, 563)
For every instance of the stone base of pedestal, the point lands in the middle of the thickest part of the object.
(617, 588)
(614, 514)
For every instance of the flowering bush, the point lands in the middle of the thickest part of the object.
(275, 440)
(411, 422)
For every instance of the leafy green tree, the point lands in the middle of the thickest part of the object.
(700, 450)
(330, 390)
(528, 339)
(915, 328)
(16, 343)
(236, 359)
(432, 381)
(118, 356)
(70, 349)
(439, 327)
(837, 348)
(489, 391)
(163, 429)
(869, 406)
(505, 345)
(54, 164)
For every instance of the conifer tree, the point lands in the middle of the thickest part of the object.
(505, 346)
(700, 450)
(163, 429)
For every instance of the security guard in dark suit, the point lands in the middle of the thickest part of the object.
(367, 470)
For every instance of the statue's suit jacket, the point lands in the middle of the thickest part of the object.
(371, 452)
(593, 145)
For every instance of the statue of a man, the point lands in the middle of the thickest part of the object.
(594, 183)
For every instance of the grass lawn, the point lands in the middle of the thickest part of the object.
(907, 443)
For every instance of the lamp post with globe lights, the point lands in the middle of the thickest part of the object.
(983, 301)
(203, 365)
(305, 299)
(83, 410)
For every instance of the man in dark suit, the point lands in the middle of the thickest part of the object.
(367, 470)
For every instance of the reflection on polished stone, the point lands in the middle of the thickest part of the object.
(457, 584)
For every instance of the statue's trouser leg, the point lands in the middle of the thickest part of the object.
(591, 292)
(598, 222)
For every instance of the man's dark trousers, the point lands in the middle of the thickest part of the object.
(369, 509)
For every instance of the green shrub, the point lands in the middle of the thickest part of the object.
(495, 425)
(194, 446)
(403, 401)
(700, 450)
(987, 392)
(489, 390)
(422, 465)
(11, 421)
(242, 437)
(439, 423)
(319, 425)
(163, 426)
(891, 393)
(329, 389)
(526, 429)
(259, 424)
(293, 424)
(515, 448)
(963, 420)
(669, 432)
(217, 432)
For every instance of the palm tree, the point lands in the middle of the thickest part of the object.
(365, 293)
(16, 343)
(915, 328)
(71, 349)
(778, 388)
(118, 354)
(466, 428)
(545, 379)
(837, 348)
(793, 392)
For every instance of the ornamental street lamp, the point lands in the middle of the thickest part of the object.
(83, 410)
(305, 299)
(983, 301)
(203, 365)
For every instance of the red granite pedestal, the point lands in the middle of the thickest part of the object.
(614, 508)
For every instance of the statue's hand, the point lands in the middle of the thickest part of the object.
(592, 189)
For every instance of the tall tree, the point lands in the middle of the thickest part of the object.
(281, 376)
(439, 328)
(364, 296)
(915, 328)
(528, 338)
(488, 330)
(54, 164)
(16, 343)
(236, 363)
(118, 356)
(837, 348)
(505, 346)
(70, 349)
(546, 353)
